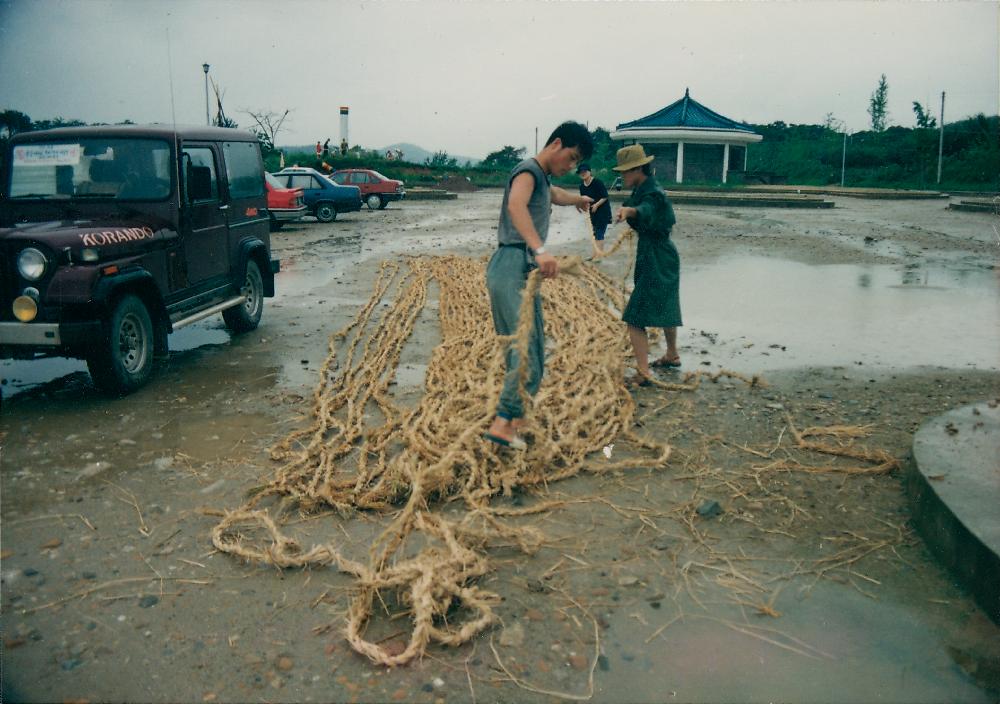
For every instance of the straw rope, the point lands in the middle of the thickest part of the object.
(411, 457)
(361, 451)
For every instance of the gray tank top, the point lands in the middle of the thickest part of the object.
(539, 205)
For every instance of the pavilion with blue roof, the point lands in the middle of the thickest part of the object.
(688, 138)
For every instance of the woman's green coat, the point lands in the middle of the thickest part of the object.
(655, 301)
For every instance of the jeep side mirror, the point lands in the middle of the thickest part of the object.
(199, 183)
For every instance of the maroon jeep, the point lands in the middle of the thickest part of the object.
(113, 237)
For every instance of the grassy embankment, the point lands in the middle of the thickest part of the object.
(808, 155)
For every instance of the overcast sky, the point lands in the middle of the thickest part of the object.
(469, 78)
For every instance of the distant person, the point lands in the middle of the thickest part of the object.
(343, 147)
(521, 233)
(655, 301)
(600, 208)
(326, 148)
(319, 150)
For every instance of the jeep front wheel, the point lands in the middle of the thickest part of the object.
(123, 359)
(246, 316)
(374, 202)
(325, 212)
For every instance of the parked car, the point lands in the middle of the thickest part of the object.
(323, 198)
(283, 204)
(113, 237)
(376, 190)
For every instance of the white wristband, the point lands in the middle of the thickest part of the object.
(540, 250)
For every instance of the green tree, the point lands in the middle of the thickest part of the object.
(56, 122)
(506, 158)
(877, 105)
(12, 122)
(924, 118)
(441, 160)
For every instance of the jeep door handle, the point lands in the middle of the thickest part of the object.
(223, 207)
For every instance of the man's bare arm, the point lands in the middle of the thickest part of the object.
(517, 207)
(561, 196)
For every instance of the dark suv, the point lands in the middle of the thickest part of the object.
(113, 237)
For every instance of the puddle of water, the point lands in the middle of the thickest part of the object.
(866, 652)
(19, 375)
(883, 316)
(208, 332)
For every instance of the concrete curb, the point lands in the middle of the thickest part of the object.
(953, 485)
(429, 194)
(735, 200)
(980, 205)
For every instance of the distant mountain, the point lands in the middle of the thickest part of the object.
(418, 155)
(411, 152)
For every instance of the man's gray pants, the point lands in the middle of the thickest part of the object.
(506, 275)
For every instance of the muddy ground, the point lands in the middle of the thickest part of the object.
(803, 586)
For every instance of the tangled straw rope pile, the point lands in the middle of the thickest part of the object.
(363, 451)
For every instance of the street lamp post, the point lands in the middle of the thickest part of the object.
(208, 120)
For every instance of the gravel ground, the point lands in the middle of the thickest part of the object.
(801, 586)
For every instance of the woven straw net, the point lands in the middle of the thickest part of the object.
(361, 450)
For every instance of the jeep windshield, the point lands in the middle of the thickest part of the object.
(78, 169)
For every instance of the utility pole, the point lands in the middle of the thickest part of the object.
(536, 140)
(208, 120)
(843, 158)
(941, 138)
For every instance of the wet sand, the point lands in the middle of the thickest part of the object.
(881, 313)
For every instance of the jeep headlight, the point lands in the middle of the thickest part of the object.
(26, 305)
(31, 264)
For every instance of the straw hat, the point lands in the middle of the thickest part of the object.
(631, 156)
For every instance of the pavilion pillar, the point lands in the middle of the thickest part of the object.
(725, 162)
(746, 156)
(679, 176)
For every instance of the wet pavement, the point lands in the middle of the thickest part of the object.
(871, 312)
(881, 316)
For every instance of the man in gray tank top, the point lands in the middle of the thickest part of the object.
(521, 235)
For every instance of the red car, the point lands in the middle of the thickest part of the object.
(377, 191)
(283, 204)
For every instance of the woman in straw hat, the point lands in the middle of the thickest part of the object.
(655, 301)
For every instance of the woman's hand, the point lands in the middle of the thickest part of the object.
(624, 213)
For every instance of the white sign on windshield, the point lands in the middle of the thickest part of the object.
(47, 154)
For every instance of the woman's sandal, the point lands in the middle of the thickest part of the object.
(637, 380)
(665, 362)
